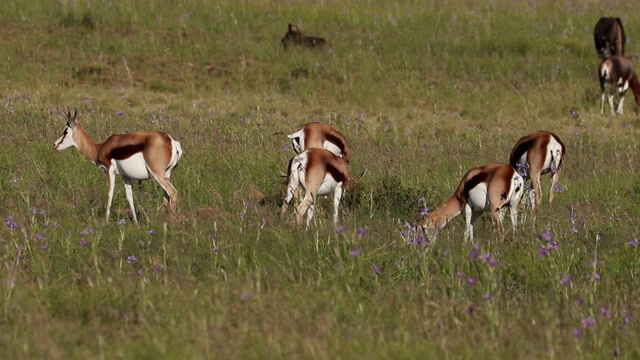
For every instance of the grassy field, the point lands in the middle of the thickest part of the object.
(423, 90)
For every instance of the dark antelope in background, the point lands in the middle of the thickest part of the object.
(297, 38)
(609, 37)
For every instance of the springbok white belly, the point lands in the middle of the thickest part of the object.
(478, 199)
(328, 185)
(133, 167)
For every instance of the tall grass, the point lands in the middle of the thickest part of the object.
(423, 91)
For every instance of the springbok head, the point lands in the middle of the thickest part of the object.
(67, 139)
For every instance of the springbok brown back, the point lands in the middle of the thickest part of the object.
(296, 37)
(609, 37)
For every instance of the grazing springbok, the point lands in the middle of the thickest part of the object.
(319, 172)
(609, 37)
(618, 72)
(322, 136)
(490, 188)
(296, 37)
(537, 154)
(134, 156)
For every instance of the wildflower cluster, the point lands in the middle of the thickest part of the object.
(550, 244)
(413, 236)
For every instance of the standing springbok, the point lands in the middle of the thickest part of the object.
(490, 188)
(319, 172)
(134, 156)
(536, 154)
(322, 136)
(609, 37)
(618, 72)
(297, 38)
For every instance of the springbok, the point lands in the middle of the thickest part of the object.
(490, 188)
(297, 38)
(537, 154)
(322, 136)
(134, 156)
(319, 172)
(618, 72)
(609, 37)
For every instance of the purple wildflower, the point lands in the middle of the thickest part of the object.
(377, 270)
(40, 237)
(579, 301)
(577, 332)
(215, 249)
(156, 268)
(473, 254)
(627, 316)
(425, 212)
(574, 229)
(588, 322)
(566, 280)
(604, 312)
(122, 222)
(45, 247)
(362, 232)
(140, 271)
(131, 259)
(355, 252)
(470, 310)
(340, 229)
(542, 252)
(11, 223)
(595, 277)
(85, 231)
(151, 231)
(471, 281)
(486, 296)
(633, 243)
(422, 200)
(82, 242)
(545, 236)
(554, 245)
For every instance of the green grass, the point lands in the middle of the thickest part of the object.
(423, 91)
